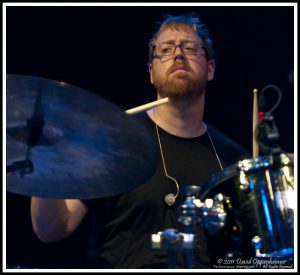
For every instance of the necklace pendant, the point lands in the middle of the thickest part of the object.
(170, 199)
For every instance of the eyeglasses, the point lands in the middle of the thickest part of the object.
(164, 50)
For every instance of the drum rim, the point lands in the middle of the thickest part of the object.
(246, 165)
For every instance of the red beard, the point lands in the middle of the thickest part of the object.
(179, 87)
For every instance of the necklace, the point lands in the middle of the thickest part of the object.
(171, 198)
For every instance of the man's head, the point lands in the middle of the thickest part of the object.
(181, 58)
(184, 23)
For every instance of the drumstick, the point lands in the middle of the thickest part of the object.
(147, 106)
(255, 148)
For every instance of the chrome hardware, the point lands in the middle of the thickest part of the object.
(214, 213)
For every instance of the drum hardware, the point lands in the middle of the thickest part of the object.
(20, 167)
(260, 214)
(266, 132)
(257, 218)
(192, 213)
(171, 241)
(268, 135)
(188, 210)
(188, 216)
(213, 213)
(275, 188)
(246, 184)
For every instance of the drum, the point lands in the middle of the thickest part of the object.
(249, 208)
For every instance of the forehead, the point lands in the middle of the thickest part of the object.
(171, 34)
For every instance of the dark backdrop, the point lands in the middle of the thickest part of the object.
(104, 50)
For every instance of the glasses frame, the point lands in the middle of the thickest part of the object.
(181, 48)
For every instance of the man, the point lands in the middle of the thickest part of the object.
(181, 63)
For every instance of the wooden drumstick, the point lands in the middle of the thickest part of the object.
(255, 147)
(147, 106)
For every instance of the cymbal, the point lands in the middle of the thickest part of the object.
(66, 142)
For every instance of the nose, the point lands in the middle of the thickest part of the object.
(178, 52)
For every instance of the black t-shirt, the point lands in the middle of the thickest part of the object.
(122, 225)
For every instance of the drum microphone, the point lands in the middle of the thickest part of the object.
(262, 100)
(266, 132)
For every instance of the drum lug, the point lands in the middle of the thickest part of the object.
(244, 182)
(188, 211)
(214, 213)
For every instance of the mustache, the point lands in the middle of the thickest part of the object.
(178, 65)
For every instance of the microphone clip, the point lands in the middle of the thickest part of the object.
(268, 135)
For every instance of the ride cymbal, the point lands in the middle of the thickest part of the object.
(66, 142)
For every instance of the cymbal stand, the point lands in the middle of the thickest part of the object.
(21, 167)
(171, 241)
(188, 216)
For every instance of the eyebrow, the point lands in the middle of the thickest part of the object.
(172, 41)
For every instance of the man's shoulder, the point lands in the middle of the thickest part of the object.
(222, 138)
(230, 149)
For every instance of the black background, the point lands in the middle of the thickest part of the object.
(104, 50)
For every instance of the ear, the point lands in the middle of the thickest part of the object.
(151, 73)
(211, 69)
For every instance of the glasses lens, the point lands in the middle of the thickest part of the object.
(164, 49)
(192, 48)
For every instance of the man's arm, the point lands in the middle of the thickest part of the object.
(56, 219)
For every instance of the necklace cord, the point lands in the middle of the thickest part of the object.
(165, 168)
(164, 164)
(214, 149)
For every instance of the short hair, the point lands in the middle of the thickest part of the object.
(185, 22)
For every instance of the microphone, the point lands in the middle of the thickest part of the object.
(267, 133)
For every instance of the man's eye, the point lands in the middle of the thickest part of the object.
(167, 49)
(191, 48)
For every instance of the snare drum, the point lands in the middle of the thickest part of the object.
(258, 206)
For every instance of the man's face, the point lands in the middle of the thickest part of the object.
(180, 76)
